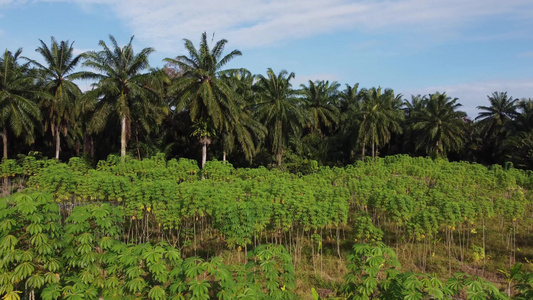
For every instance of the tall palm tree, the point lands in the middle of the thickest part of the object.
(349, 104)
(379, 116)
(494, 121)
(502, 109)
(279, 110)
(18, 112)
(241, 129)
(57, 75)
(123, 85)
(201, 90)
(439, 125)
(320, 98)
(349, 96)
(518, 147)
(411, 108)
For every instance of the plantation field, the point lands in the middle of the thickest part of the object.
(158, 229)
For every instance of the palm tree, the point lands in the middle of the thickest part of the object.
(18, 113)
(201, 89)
(241, 129)
(279, 110)
(410, 109)
(379, 116)
(438, 125)
(348, 97)
(349, 106)
(501, 110)
(57, 77)
(518, 146)
(494, 121)
(320, 98)
(122, 86)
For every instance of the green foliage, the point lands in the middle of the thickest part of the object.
(86, 258)
(106, 213)
(30, 242)
(374, 274)
(367, 265)
(272, 272)
(365, 231)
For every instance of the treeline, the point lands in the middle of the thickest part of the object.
(194, 103)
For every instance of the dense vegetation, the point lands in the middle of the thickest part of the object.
(154, 228)
(330, 184)
(195, 103)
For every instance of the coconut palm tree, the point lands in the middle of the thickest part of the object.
(202, 90)
(379, 117)
(439, 126)
(320, 98)
(279, 110)
(123, 86)
(18, 112)
(56, 76)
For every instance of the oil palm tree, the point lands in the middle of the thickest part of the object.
(439, 126)
(349, 96)
(57, 75)
(518, 146)
(411, 108)
(320, 98)
(123, 84)
(202, 90)
(279, 110)
(494, 122)
(242, 129)
(379, 117)
(501, 110)
(18, 112)
(349, 104)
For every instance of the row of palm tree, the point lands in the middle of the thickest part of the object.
(255, 117)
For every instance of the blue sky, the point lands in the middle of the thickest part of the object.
(466, 48)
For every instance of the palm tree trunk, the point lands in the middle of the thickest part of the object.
(123, 137)
(278, 158)
(58, 141)
(5, 182)
(363, 153)
(204, 153)
(373, 151)
(137, 143)
(4, 141)
(224, 156)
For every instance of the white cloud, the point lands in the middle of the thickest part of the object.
(256, 23)
(11, 2)
(474, 94)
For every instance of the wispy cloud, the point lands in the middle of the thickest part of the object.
(474, 94)
(257, 23)
(11, 2)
